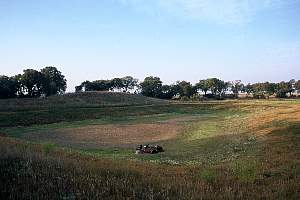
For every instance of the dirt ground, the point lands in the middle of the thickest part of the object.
(97, 136)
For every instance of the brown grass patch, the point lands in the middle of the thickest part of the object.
(90, 137)
(258, 121)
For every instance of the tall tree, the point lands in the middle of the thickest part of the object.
(282, 89)
(203, 85)
(221, 86)
(186, 89)
(270, 88)
(53, 81)
(151, 87)
(236, 87)
(117, 83)
(31, 81)
(248, 89)
(297, 86)
(168, 91)
(259, 90)
(8, 87)
(291, 86)
(216, 86)
(129, 83)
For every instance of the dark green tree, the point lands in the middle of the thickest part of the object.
(128, 83)
(117, 83)
(291, 86)
(297, 86)
(98, 85)
(217, 86)
(8, 87)
(53, 81)
(270, 88)
(203, 86)
(185, 89)
(151, 87)
(31, 81)
(169, 91)
(282, 89)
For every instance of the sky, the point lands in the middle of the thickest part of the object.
(248, 40)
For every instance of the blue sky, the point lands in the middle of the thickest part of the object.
(251, 40)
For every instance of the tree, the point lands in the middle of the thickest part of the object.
(8, 87)
(78, 88)
(236, 87)
(168, 91)
(117, 83)
(53, 81)
(297, 86)
(216, 86)
(129, 83)
(248, 89)
(282, 89)
(270, 88)
(151, 87)
(185, 89)
(31, 81)
(291, 85)
(98, 85)
(203, 86)
(212, 85)
(222, 86)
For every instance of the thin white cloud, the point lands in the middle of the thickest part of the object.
(236, 12)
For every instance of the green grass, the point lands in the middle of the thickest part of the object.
(213, 136)
(77, 100)
(200, 135)
(28, 118)
(47, 147)
(208, 175)
(216, 155)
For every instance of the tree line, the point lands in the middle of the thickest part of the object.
(211, 88)
(50, 81)
(32, 83)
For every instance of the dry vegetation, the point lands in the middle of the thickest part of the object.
(99, 136)
(223, 150)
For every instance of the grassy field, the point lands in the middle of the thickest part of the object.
(235, 149)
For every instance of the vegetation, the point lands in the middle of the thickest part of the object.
(124, 84)
(32, 83)
(50, 81)
(81, 145)
(235, 149)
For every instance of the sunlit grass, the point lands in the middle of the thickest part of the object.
(226, 150)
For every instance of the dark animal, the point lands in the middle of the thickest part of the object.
(149, 149)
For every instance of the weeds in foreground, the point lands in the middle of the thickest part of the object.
(47, 147)
(26, 172)
(208, 176)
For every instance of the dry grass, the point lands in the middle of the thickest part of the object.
(99, 136)
(28, 173)
(270, 170)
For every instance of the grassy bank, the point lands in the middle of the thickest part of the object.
(226, 149)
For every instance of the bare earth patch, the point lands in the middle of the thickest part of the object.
(96, 136)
